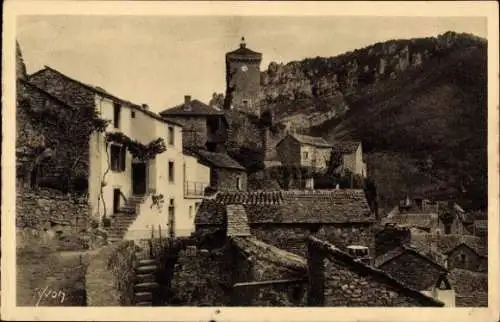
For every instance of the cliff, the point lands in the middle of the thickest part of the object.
(418, 106)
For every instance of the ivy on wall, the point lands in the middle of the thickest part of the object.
(142, 152)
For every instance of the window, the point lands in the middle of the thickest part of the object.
(171, 135)
(171, 217)
(463, 259)
(118, 157)
(238, 183)
(305, 155)
(116, 116)
(132, 114)
(171, 171)
(190, 212)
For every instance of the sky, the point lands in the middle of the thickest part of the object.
(156, 60)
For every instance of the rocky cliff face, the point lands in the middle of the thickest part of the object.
(418, 106)
(313, 90)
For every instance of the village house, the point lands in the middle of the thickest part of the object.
(138, 193)
(315, 152)
(239, 269)
(424, 272)
(304, 151)
(285, 218)
(338, 279)
(461, 251)
(205, 130)
(431, 216)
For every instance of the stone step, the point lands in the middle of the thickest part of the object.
(145, 278)
(143, 304)
(146, 269)
(143, 297)
(145, 262)
(146, 287)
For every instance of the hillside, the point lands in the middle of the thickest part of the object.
(419, 106)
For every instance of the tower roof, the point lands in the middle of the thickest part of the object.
(243, 52)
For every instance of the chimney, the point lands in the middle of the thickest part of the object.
(145, 106)
(187, 99)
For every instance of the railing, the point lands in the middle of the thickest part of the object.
(194, 189)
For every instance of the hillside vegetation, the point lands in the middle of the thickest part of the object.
(419, 106)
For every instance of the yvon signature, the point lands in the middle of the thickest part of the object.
(46, 292)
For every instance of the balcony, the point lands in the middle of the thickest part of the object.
(193, 189)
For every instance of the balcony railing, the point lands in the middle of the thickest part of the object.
(194, 189)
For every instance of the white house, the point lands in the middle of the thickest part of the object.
(138, 196)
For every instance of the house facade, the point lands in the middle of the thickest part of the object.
(203, 126)
(351, 157)
(304, 151)
(138, 194)
(205, 130)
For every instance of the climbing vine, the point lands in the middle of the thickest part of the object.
(142, 152)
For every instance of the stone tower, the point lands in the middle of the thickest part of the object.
(243, 80)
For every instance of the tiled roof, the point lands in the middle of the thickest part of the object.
(260, 198)
(243, 51)
(446, 243)
(376, 273)
(426, 221)
(237, 221)
(194, 107)
(251, 246)
(326, 206)
(345, 147)
(311, 140)
(216, 159)
(102, 92)
(465, 282)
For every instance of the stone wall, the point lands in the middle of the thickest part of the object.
(243, 131)
(226, 179)
(45, 122)
(110, 276)
(336, 279)
(68, 91)
(194, 131)
(202, 277)
(470, 260)
(390, 238)
(278, 294)
(35, 208)
(291, 237)
(413, 270)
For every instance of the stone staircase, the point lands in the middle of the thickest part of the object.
(122, 220)
(145, 287)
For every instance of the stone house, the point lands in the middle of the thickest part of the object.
(338, 279)
(129, 190)
(304, 151)
(226, 174)
(205, 131)
(412, 267)
(203, 126)
(350, 154)
(242, 270)
(432, 216)
(461, 251)
(286, 218)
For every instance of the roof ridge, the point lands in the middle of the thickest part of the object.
(350, 261)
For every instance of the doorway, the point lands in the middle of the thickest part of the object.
(116, 200)
(139, 173)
